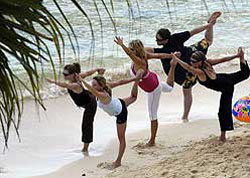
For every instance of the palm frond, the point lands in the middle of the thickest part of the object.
(27, 29)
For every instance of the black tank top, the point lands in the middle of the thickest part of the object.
(218, 84)
(81, 99)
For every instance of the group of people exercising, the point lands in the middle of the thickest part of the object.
(184, 65)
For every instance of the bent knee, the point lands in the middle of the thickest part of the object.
(166, 87)
(153, 117)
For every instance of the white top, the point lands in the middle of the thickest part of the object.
(114, 108)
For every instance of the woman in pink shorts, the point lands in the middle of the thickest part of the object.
(149, 80)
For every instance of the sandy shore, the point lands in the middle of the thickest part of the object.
(52, 140)
(183, 150)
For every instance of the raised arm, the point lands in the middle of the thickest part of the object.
(72, 86)
(130, 53)
(187, 66)
(121, 82)
(90, 72)
(211, 21)
(226, 59)
(104, 98)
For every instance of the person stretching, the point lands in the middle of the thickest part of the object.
(224, 83)
(81, 97)
(114, 106)
(150, 82)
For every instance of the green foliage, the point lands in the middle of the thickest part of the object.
(26, 29)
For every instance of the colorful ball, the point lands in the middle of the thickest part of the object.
(241, 109)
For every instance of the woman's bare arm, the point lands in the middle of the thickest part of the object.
(103, 97)
(90, 72)
(121, 82)
(187, 66)
(221, 60)
(158, 56)
(72, 86)
(130, 53)
(226, 59)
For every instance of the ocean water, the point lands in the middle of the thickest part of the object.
(136, 22)
(141, 21)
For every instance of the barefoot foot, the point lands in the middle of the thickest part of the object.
(116, 164)
(185, 120)
(150, 143)
(214, 16)
(223, 137)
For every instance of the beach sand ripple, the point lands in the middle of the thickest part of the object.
(207, 158)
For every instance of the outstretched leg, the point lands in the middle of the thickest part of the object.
(170, 79)
(133, 96)
(243, 74)
(210, 31)
(168, 86)
(237, 77)
(214, 16)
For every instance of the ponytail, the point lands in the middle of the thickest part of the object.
(77, 67)
(102, 82)
(108, 90)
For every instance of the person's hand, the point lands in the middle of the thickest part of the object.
(50, 81)
(240, 53)
(101, 71)
(166, 56)
(118, 40)
(174, 61)
(177, 54)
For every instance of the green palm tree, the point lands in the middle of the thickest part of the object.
(27, 27)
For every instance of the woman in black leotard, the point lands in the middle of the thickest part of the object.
(224, 83)
(81, 97)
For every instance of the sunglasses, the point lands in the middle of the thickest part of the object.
(157, 39)
(193, 60)
(66, 74)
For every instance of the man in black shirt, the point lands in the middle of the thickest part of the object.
(175, 42)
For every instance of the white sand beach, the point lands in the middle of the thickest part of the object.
(51, 145)
(183, 150)
(50, 141)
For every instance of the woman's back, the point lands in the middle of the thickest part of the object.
(81, 99)
(114, 108)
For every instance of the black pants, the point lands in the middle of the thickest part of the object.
(88, 121)
(225, 110)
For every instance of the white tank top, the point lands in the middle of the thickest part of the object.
(114, 108)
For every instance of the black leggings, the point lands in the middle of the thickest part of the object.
(88, 120)
(229, 80)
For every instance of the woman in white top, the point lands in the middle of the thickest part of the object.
(114, 106)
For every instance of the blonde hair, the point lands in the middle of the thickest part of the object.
(138, 46)
(103, 83)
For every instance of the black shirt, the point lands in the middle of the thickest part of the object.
(176, 43)
(81, 99)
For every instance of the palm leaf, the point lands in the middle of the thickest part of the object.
(27, 28)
